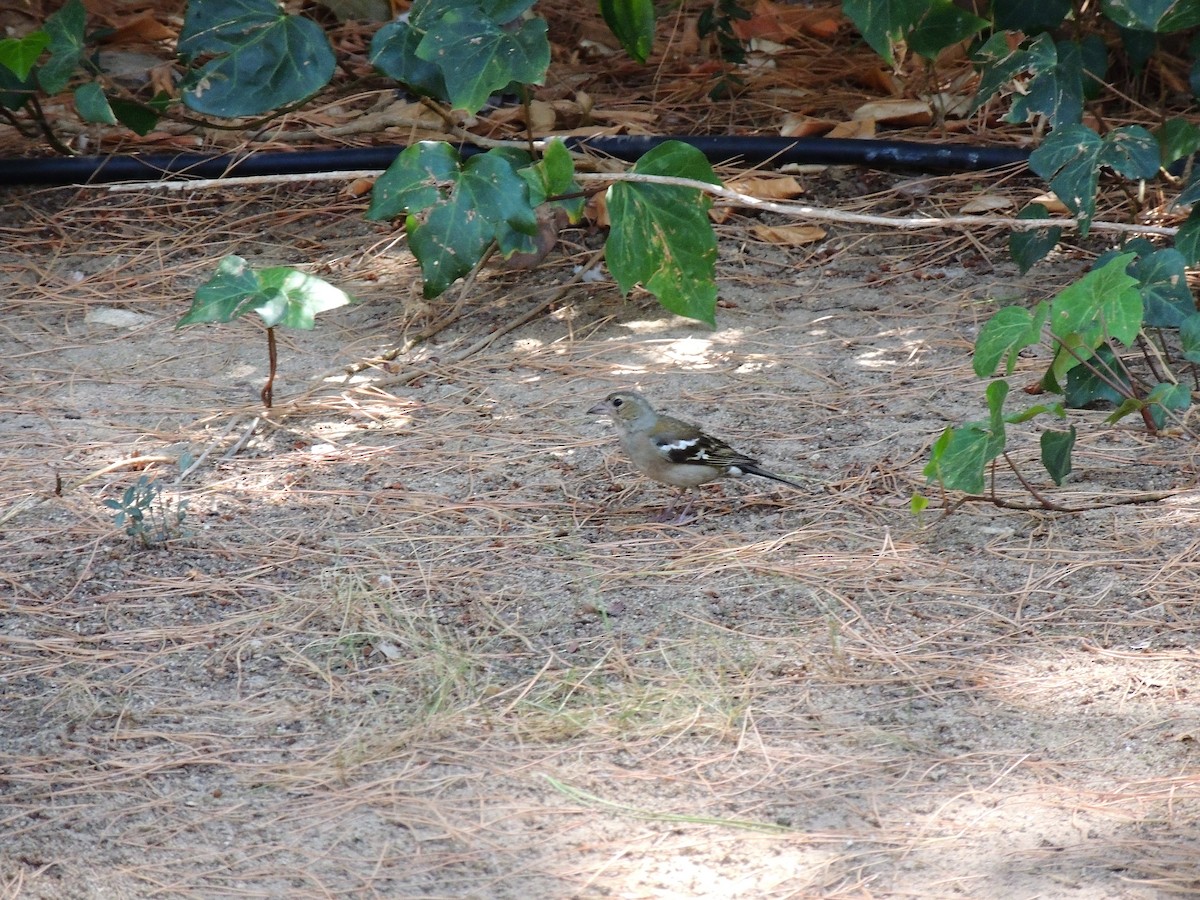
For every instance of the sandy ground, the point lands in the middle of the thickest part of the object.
(421, 636)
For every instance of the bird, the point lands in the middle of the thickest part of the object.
(674, 452)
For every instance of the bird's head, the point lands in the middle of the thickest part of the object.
(627, 409)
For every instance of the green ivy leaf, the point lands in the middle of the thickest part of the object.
(1092, 385)
(632, 22)
(1187, 239)
(943, 25)
(959, 457)
(1162, 16)
(140, 118)
(478, 56)
(66, 29)
(1165, 398)
(419, 177)
(279, 295)
(883, 23)
(1189, 336)
(1069, 160)
(1054, 83)
(263, 58)
(230, 293)
(394, 53)
(1130, 151)
(295, 298)
(455, 211)
(19, 55)
(661, 235)
(1162, 280)
(1177, 139)
(1190, 194)
(92, 105)
(553, 175)
(15, 92)
(1139, 46)
(1054, 409)
(1056, 453)
(1006, 334)
(1030, 247)
(1105, 301)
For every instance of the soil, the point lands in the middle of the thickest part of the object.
(420, 634)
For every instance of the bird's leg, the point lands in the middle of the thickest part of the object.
(668, 513)
(684, 517)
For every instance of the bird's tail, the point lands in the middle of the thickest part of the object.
(763, 473)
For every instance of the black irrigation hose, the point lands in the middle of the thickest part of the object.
(903, 155)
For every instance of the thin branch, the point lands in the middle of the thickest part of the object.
(817, 213)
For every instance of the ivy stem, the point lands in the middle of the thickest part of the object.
(273, 357)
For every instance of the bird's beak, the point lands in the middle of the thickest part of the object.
(600, 409)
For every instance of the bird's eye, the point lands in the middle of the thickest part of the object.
(618, 402)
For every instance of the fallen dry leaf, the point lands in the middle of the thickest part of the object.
(767, 187)
(864, 128)
(895, 112)
(985, 203)
(797, 125)
(789, 235)
(1052, 203)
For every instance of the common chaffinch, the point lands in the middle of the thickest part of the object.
(674, 452)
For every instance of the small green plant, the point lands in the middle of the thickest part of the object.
(279, 295)
(1133, 306)
(148, 518)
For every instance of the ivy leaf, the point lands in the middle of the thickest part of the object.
(943, 25)
(92, 105)
(1030, 247)
(294, 298)
(1177, 139)
(1056, 453)
(1093, 385)
(1164, 398)
(279, 295)
(1162, 280)
(1131, 151)
(478, 56)
(394, 53)
(19, 55)
(1189, 336)
(1006, 334)
(419, 177)
(66, 31)
(1191, 191)
(262, 59)
(1162, 16)
(960, 456)
(455, 210)
(1105, 301)
(552, 175)
(661, 235)
(883, 23)
(1068, 159)
(1187, 239)
(632, 22)
(15, 92)
(1053, 82)
(140, 118)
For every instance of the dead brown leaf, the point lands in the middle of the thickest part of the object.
(789, 235)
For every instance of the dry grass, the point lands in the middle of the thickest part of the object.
(418, 644)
